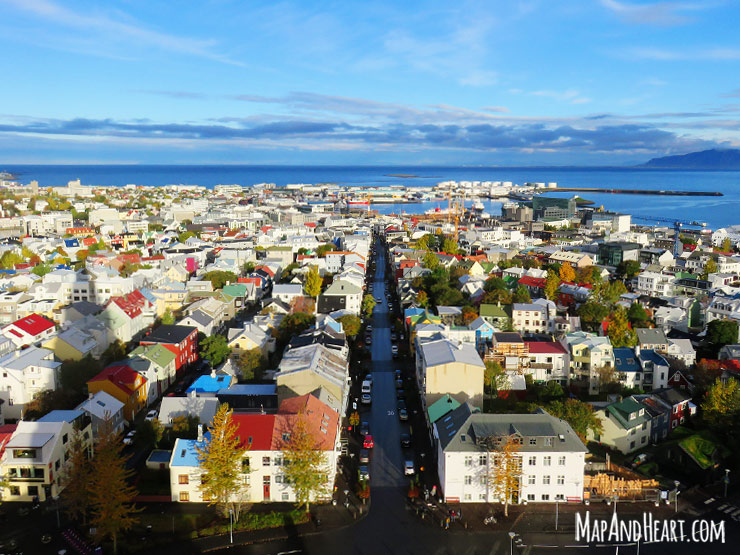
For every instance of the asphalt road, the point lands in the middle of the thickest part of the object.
(391, 527)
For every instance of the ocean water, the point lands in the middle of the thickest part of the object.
(715, 211)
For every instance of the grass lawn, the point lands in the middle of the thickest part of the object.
(700, 448)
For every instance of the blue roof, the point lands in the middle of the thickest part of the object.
(147, 293)
(160, 455)
(9, 272)
(250, 389)
(61, 416)
(625, 360)
(413, 311)
(71, 243)
(209, 384)
(184, 453)
(651, 356)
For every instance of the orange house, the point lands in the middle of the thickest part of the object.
(123, 383)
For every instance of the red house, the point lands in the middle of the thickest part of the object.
(181, 340)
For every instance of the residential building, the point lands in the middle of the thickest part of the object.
(180, 340)
(446, 367)
(626, 426)
(23, 374)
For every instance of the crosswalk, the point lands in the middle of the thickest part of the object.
(730, 510)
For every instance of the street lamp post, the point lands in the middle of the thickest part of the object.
(231, 526)
(56, 507)
(512, 535)
(727, 479)
(676, 483)
(556, 515)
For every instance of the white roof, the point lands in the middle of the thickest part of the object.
(445, 351)
(101, 405)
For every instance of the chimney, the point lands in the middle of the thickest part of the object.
(192, 394)
(213, 372)
(200, 433)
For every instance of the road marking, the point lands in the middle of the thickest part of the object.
(722, 507)
(728, 509)
(735, 512)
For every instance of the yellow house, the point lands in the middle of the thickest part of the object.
(71, 344)
(449, 367)
(124, 384)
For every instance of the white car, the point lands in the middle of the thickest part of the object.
(151, 415)
(408, 468)
(129, 439)
(366, 399)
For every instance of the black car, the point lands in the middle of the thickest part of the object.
(405, 440)
(364, 428)
(399, 384)
(364, 456)
(401, 405)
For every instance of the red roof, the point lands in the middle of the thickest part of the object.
(35, 324)
(266, 269)
(256, 280)
(530, 281)
(257, 427)
(87, 241)
(6, 432)
(132, 304)
(130, 258)
(120, 375)
(310, 224)
(545, 347)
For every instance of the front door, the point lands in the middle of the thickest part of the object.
(266, 488)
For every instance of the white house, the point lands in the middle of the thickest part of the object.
(552, 456)
(23, 374)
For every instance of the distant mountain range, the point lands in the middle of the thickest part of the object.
(705, 160)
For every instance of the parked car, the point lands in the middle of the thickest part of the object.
(368, 443)
(398, 373)
(364, 456)
(364, 428)
(401, 405)
(408, 468)
(400, 394)
(403, 414)
(369, 327)
(151, 415)
(405, 440)
(364, 472)
(393, 337)
(129, 439)
(399, 384)
(366, 399)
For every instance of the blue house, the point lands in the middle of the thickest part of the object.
(483, 332)
(209, 385)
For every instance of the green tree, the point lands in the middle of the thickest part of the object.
(422, 243)
(350, 324)
(149, 434)
(619, 331)
(638, 316)
(551, 285)
(726, 245)
(215, 349)
(251, 364)
(313, 282)
(449, 246)
(521, 295)
(75, 495)
(111, 494)
(549, 392)
(422, 299)
(579, 415)
(287, 273)
(368, 305)
(592, 314)
(721, 404)
(304, 464)
(114, 352)
(721, 333)
(294, 324)
(627, 269)
(219, 278)
(709, 268)
(494, 377)
(566, 272)
(321, 250)
(220, 460)
(248, 268)
(430, 261)
(168, 318)
(494, 284)
(497, 296)
(184, 426)
(185, 235)
(9, 259)
(74, 374)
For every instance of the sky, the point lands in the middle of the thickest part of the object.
(511, 83)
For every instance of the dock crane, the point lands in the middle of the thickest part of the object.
(677, 225)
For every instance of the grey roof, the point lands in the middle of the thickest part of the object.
(529, 307)
(445, 351)
(201, 317)
(36, 440)
(550, 433)
(448, 310)
(342, 287)
(651, 336)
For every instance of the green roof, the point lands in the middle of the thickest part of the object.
(235, 289)
(622, 410)
(440, 407)
(493, 311)
(158, 354)
(487, 266)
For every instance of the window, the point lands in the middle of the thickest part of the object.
(532, 480)
(548, 460)
(545, 497)
(482, 460)
(468, 461)
(184, 496)
(530, 497)
(548, 442)
(642, 439)
(278, 479)
(561, 461)
(533, 441)
(266, 480)
(277, 461)
(468, 480)
(644, 425)
(57, 464)
(532, 461)
(285, 497)
(482, 497)
(14, 490)
(483, 480)
(33, 491)
(245, 465)
(561, 480)
(632, 444)
(183, 479)
(546, 480)
(265, 461)
(560, 497)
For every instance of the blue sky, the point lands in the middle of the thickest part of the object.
(494, 83)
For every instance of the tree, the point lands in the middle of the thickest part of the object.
(619, 331)
(709, 268)
(726, 245)
(111, 495)
(579, 415)
(185, 235)
(609, 293)
(469, 314)
(219, 278)
(497, 296)
(74, 374)
(215, 349)
(430, 261)
(609, 379)
(168, 318)
(552, 283)
(588, 274)
(422, 243)
(75, 495)
(321, 250)
(9, 259)
(494, 284)
(627, 269)
(248, 268)
(449, 246)
(304, 464)
(354, 419)
(293, 324)
(566, 272)
(592, 314)
(251, 363)
(220, 460)
(313, 282)
(185, 426)
(638, 316)
(721, 404)
(287, 273)
(721, 333)
(521, 295)
(115, 351)
(494, 377)
(504, 467)
(422, 299)
(149, 433)
(350, 324)
(550, 391)
(368, 305)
